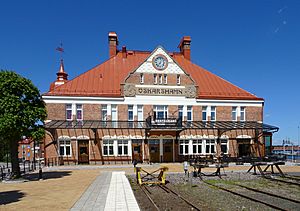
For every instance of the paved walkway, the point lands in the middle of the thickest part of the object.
(110, 191)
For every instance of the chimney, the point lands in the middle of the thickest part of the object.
(185, 47)
(124, 52)
(113, 43)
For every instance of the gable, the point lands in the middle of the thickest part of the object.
(148, 67)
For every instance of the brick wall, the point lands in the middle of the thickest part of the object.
(56, 111)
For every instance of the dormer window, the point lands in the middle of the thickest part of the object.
(141, 78)
(178, 80)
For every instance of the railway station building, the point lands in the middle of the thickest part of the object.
(151, 106)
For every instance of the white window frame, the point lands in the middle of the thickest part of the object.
(180, 112)
(185, 146)
(243, 113)
(69, 109)
(234, 112)
(104, 112)
(213, 112)
(210, 143)
(114, 110)
(123, 144)
(79, 107)
(178, 80)
(155, 78)
(141, 78)
(108, 143)
(161, 108)
(130, 119)
(226, 144)
(63, 143)
(197, 144)
(204, 110)
(160, 78)
(165, 79)
(140, 115)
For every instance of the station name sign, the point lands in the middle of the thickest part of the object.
(130, 90)
(159, 91)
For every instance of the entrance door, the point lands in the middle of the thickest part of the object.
(154, 150)
(137, 151)
(83, 151)
(244, 147)
(168, 150)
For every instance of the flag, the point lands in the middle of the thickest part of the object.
(60, 49)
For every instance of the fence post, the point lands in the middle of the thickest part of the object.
(24, 166)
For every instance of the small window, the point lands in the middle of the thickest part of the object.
(160, 79)
(180, 112)
(165, 79)
(213, 113)
(233, 114)
(155, 78)
(243, 114)
(204, 113)
(108, 147)
(79, 116)
(130, 116)
(178, 80)
(142, 78)
(68, 111)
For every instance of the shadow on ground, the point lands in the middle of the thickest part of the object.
(8, 197)
(47, 175)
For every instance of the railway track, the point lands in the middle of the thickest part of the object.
(295, 181)
(256, 199)
(168, 190)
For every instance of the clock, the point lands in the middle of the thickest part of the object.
(160, 62)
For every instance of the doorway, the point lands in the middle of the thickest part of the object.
(168, 150)
(244, 147)
(154, 150)
(83, 151)
(137, 150)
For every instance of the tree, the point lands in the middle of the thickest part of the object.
(21, 111)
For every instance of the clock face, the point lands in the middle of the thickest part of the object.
(160, 62)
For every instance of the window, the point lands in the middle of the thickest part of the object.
(141, 78)
(79, 116)
(122, 147)
(108, 147)
(155, 78)
(243, 114)
(130, 116)
(184, 147)
(160, 79)
(233, 114)
(213, 113)
(197, 146)
(204, 113)
(140, 115)
(65, 147)
(210, 146)
(178, 80)
(224, 146)
(114, 116)
(180, 112)
(189, 115)
(165, 79)
(69, 112)
(104, 115)
(160, 112)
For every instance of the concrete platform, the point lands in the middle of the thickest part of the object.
(110, 191)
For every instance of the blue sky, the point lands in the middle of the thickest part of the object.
(252, 43)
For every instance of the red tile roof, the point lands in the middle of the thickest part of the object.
(105, 79)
